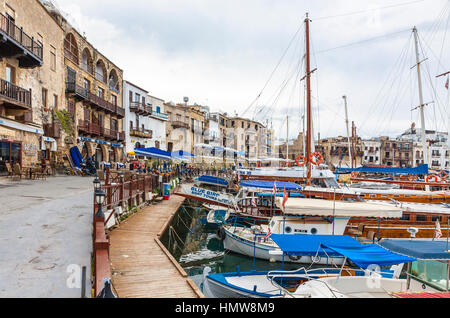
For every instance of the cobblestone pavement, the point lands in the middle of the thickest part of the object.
(45, 227)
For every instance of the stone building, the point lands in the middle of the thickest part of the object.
(93, 101)
(397, 153)
(158, 122)
(372, 152)
(185, 128)
(31, 83)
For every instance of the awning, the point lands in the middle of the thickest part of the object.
(423, 250)
(269, 185)
(338, 208)
(182, 155)
(212, 180)
(423, 169)
(338, 245)
(15, 125)
(153, 153)
(54, 146)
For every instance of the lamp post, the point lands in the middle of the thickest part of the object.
(99, 198)
(97, 184)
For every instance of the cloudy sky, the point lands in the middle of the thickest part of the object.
(225, 53)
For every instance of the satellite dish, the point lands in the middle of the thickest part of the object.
(413, 231)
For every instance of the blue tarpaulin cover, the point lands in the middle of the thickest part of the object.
(338, 245)
(423, 250)
(269, 185)
(153, 152)
(423, 169)
(213, 180)
(76, 156)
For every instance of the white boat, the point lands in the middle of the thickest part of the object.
(297, 284)
(302, 216)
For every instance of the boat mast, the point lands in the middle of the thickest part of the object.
(422, 115)
(308, 103)
(348, 133)
(448, 106)
(287, 139)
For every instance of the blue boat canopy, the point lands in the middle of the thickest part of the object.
(212, 180)
(423, 170)
(422, 250)
(338, 245)
(153, 152)
(269, 185)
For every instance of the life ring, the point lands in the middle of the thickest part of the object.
(443, 174)
(435, 178)
(354, 174)
(315, 259)
(300, 164)
(412, 177)
(221, 233)
(313, 158)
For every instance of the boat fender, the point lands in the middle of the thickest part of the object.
(220, 233)
(294, 257)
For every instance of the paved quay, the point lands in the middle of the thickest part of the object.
(45, 236)
(141, 266)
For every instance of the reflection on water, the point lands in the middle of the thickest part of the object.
(202, 248)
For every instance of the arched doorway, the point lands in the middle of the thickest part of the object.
(85, 151)
(112, 156)
(99, 154)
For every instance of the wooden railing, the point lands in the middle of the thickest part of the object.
(15, 93)
(105, 105)
(13, 31)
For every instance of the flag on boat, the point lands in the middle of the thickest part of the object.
(274, 189)
(239, 176)
(254, 202)
(446, 84)
(285, 198)
(438, 232)
(269, 233)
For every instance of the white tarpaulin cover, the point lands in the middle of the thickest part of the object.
(317, 207)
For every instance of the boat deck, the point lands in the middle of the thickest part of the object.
(141, 266)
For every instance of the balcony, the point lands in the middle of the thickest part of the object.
(110, 134)
(52, 130)
(142, 133)
(140, 109)
(106, 106)
(77, 91)
(179, 124)
(16, 99)
(16, 43)
(88, 128)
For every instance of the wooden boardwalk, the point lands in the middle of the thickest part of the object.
(141, 266)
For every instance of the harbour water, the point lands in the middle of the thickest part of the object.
(196, 247)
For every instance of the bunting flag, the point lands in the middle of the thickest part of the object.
(285, 198)
(438, 232)
(269, 233)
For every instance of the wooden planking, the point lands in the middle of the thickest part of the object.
(141, 266)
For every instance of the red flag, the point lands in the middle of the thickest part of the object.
(285, 198)
(254, 202)
(274, 189)
(446, 84)
(269, 234)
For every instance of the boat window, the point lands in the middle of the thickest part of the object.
(406, 217)
(436, 217)
(288, 230)
(313, 231)
(421, 218)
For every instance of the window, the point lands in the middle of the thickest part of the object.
(421, 218)
(436, 217)
(10, 74)
(114, 100)
(101, 93)
(158, 109)
(44, 97)
(405, 217)
(55, 101)
(53, 58)
(87, 84)
(137, 97)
